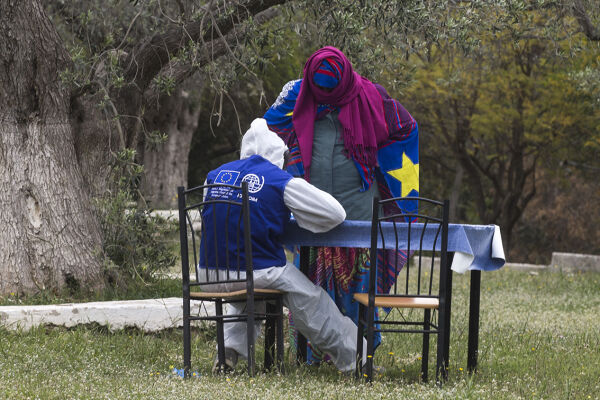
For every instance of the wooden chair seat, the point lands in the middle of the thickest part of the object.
(398, 302)
(232, 295)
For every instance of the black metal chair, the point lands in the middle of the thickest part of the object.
(417, 240)
(194, 211)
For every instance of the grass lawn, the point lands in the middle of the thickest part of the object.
(539, 338)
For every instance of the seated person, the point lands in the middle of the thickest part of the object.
(315, 314)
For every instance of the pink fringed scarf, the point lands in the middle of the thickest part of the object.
(361, 110)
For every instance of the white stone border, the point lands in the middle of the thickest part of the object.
(149, 315)
(573, 262)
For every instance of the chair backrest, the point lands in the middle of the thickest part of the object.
(409, 248)
(215, 220)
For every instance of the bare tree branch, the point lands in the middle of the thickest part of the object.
(580, 14)
(179, 71)
(147, 60)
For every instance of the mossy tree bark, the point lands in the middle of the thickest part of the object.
(49, 235)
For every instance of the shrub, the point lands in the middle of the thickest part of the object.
(136, 243)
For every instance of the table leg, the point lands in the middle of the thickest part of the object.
(301, 355)
(448, 312)
(473, 345)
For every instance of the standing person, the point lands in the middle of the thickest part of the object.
(315, 313)
(349, 138)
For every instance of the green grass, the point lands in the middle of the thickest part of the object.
(539, 339)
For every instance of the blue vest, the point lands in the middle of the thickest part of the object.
(268, 215)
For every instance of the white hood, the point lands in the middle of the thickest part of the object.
(263, 142)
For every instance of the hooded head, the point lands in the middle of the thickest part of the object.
(329, 74)
(261, 141)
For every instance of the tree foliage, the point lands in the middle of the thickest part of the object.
(132, 52)
(493, 115)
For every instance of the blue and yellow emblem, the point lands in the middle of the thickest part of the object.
(227, 177)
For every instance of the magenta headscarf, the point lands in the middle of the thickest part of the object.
(361, 110)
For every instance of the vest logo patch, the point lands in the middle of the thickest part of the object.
(227, 177)
(254, 182)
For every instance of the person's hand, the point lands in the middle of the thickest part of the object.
(286, 158)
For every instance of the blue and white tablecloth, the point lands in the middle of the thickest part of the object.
(475, 247)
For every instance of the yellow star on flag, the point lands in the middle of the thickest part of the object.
(408, 175)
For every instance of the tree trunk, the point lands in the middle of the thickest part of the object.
(49, 235)
(96, 140)
(166, 166)
(455, 192)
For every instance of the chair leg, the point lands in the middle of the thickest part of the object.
(359, 341)
(269, 335)
(279, 334)
(370, 342)
(251, 338)
(425, 355)
(220, 334)
(187, 347)
(441, 372)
